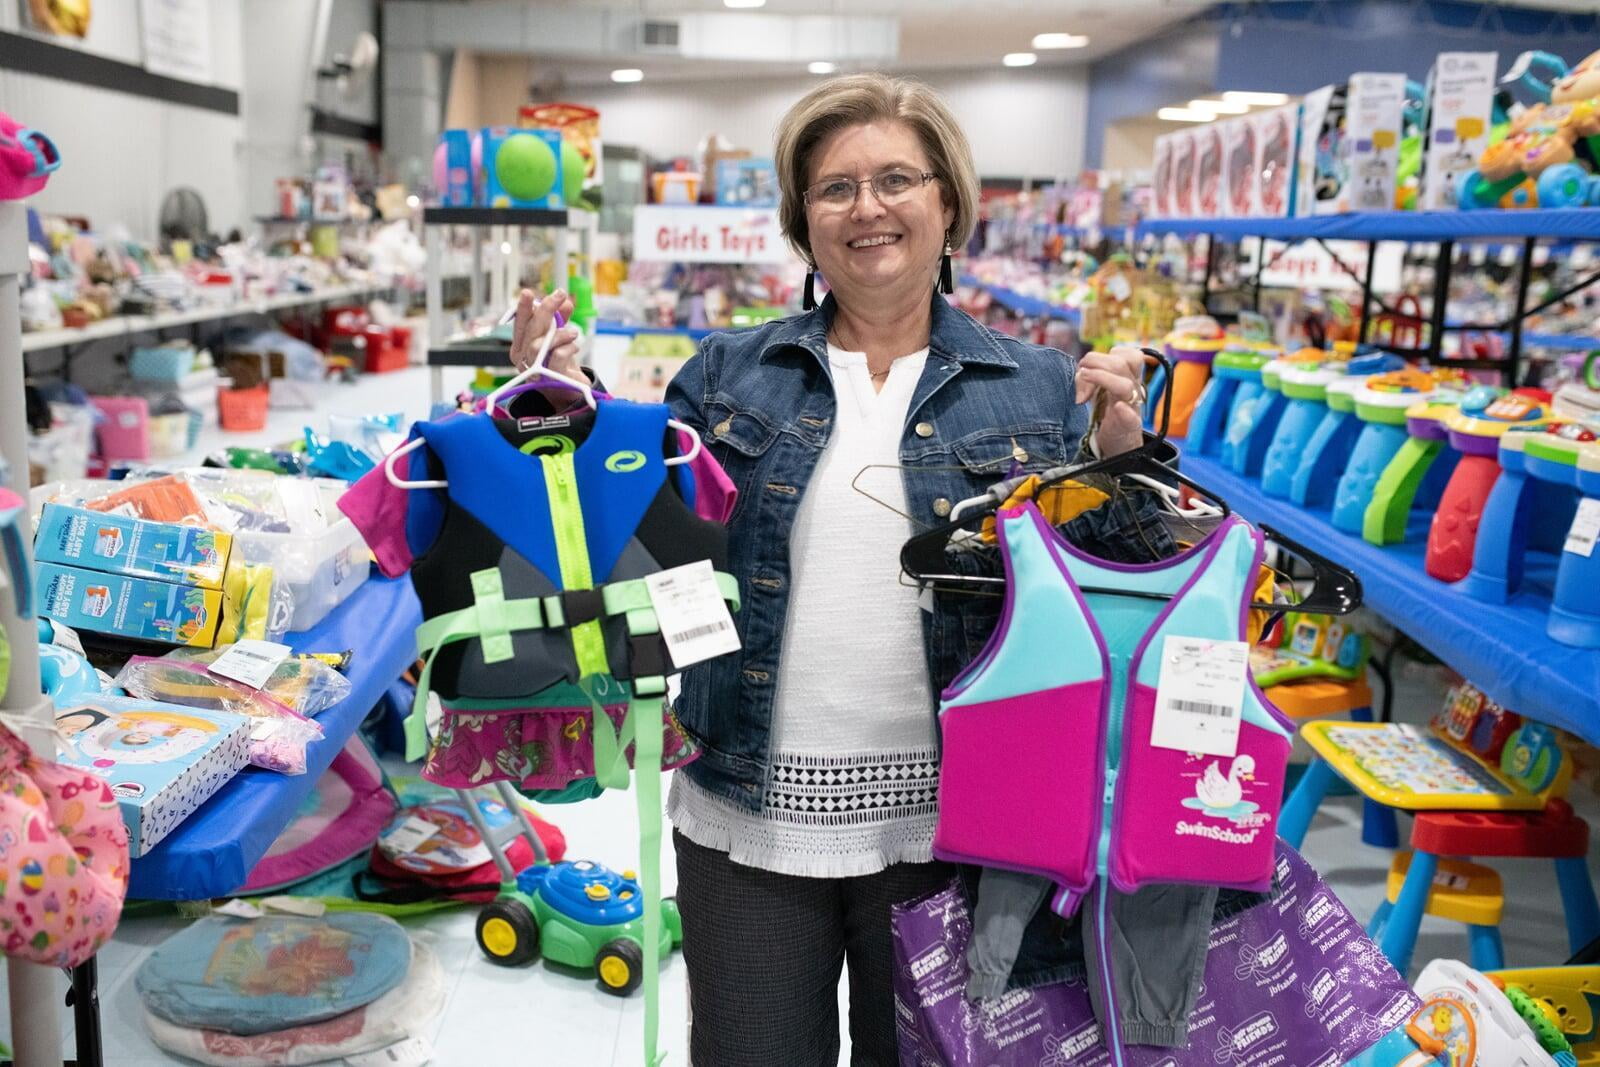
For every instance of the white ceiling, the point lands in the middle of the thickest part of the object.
(934, 34)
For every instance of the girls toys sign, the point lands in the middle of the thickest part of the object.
(708, 235)
(1293, 981)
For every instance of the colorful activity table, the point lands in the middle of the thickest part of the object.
(1413, 478)
(1305, 391)
(1252, 423)
(1191, 354)
(1381, 403)
(1328, 452)
(1474, 429)
(1235, 376)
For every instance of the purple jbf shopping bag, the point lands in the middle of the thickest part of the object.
(1294, 982)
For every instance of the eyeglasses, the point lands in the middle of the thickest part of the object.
(890, 187)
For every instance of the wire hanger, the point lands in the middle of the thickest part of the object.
(536, 369)
(1335, 589)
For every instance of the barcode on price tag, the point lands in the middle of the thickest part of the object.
(1585, 529)
(412, 1052)
(251, 662)
(694, 620)
(1200, 695)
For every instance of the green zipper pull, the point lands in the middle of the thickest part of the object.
(1111, 786)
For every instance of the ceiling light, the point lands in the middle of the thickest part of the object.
(627, 74)
(1060, 40)
(744, 3)
(1256, 99)
(1220, 107)
(1185, 114)
(1019, 59)
(822, 66)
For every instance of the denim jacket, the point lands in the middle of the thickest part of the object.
(763, 402)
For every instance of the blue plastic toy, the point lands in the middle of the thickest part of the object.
(1305, 389)
(1256, 410)
(1236, 368)
(1381, 404)
(1327, 453)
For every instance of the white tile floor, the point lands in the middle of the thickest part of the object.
(492, 1015)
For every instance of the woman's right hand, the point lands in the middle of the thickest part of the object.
(533, 322)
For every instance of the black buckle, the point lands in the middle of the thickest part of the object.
(647, 656)
(579, 606)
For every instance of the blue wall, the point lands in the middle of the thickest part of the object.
(1177, 65)
(1296, 46)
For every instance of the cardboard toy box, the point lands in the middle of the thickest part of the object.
(1374, 115)
(138, 608)
(515, 163)
(137, 548)
(1461, 91)
(1317, 165)
(1276, 133)
(746, 183)
(161, 760)
(1239, 168)
(1161, 179)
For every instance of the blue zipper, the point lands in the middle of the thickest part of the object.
(1117, 700)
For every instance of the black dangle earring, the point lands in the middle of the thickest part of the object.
(808, 299)
(946, 282)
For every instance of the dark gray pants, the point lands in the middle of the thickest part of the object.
(764, 953)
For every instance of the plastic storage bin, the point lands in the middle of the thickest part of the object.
(124, 427)
(165, 363)
(173, 435)
(243, 409)
(319, 570)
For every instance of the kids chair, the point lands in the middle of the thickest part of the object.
(1462, 892)
(1534, 758)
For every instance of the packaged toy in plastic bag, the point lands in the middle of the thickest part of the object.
(298, 688)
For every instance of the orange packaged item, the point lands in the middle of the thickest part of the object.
(166, 499)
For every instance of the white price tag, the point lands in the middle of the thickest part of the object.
(412, 1052)
(1585, 528)
(1446, 880)
(1200, 695)
(265, 729)
(409, 835)
(239, 909)
(694, 620)
(310, 907)
(1119, 288)
(251, 662)
(66, 637)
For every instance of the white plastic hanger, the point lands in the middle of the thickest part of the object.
(536, 369)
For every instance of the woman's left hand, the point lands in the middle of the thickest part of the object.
(1118, 377)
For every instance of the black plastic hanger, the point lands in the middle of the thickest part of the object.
(1335, 589)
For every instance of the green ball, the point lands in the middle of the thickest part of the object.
(573, 171)
(525, 167)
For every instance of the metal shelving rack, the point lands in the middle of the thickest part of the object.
(1443, 229)
(496, 271)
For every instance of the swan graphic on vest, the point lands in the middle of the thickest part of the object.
(1054, 719)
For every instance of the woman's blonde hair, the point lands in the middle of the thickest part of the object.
(857, 99)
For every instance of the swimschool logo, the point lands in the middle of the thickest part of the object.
(624, 462)
(1232, 1044)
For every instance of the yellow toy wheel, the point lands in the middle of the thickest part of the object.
(508, 934)
(620, 967)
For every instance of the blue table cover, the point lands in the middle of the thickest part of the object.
(213, 851)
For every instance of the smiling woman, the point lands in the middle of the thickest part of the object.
(811, 808)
